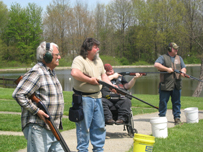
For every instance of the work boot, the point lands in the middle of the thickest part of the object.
(119, 122)
(110, 122)
(177, 121)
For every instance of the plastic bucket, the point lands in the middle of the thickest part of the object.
(191, 115)
(159, 127)
(143, 143)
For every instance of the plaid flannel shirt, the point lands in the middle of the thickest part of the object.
(46, 86)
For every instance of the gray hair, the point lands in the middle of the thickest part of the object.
(41, 50)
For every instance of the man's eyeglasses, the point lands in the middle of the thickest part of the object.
(56, 54)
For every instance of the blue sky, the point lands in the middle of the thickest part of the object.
(44, 3)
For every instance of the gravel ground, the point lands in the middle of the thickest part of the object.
(118, 140)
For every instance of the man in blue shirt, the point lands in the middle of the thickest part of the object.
(170, 84)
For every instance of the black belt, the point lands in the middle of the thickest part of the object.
(83, 93)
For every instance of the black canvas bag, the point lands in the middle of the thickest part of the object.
(76, 111)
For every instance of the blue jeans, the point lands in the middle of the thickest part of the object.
(175, 99)
(40, 139)
(92, 127)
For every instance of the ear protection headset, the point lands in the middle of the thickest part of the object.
(48, 56)
(169, 47)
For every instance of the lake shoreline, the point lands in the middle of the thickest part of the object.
(117, 66)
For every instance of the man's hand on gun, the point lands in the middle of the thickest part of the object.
(113, 90)
(116, 75)
(183, 74)
(170, 70)
(93, 81)
(138, 75)
(42, 115)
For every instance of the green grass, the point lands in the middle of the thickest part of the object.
(181, 138)
(67, 124)
(111, 60)
(68, 101)
(7, 103)
(6, 93)
(137, 110)
(12, 143)
(12, 122)
(154, 100)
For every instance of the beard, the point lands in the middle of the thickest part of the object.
(96, 56)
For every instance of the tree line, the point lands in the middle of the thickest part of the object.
(131, 30)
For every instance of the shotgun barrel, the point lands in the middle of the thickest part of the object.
(142, 73)
(123, 92)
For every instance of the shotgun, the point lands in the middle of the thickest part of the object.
(141, 73)
(49, 120)
(187, 75)
(120, 91)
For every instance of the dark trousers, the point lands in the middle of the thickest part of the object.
(175, 99)
(122, 105)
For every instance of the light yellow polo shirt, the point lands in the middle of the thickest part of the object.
(91, 68)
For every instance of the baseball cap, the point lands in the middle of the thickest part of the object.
(108, 67)
(174, 45)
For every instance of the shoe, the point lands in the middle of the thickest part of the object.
(110, 122)
(119, 122)
(177, 121)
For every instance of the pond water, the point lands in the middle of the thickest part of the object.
(144, 85)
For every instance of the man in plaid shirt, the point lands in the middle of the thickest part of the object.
(42, 81)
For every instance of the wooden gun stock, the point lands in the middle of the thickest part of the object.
(53, 130)
(49, 120)
(188, 76)
(18, 80)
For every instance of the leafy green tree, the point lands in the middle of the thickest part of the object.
(157, 23)
(3, 17)
(3, 21)
(23, 33)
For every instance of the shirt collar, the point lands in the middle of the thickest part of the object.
(52, 72)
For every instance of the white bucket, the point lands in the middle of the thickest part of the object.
(159, 127)
(191, 115)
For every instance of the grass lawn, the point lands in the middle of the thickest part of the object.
(12, 143)
(182, 138)
(185, 138)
